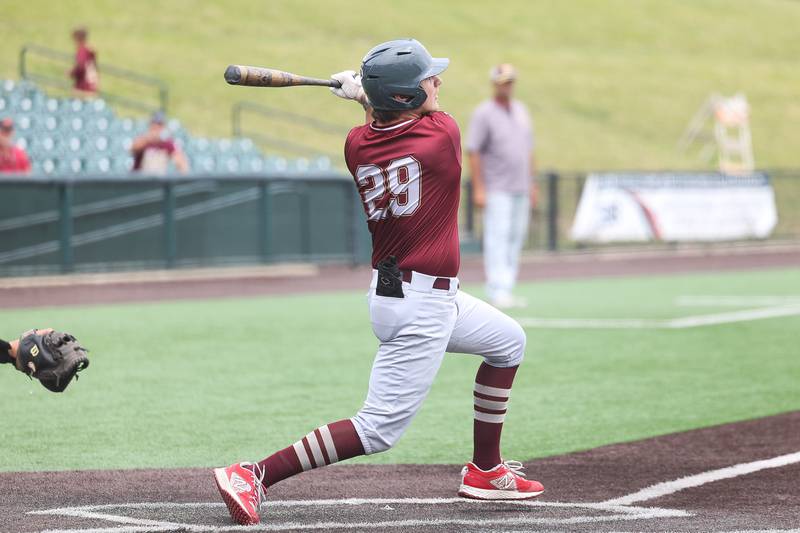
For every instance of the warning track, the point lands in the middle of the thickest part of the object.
(293, 279)
(735, 477)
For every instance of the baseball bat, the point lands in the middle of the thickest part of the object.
(270, 77)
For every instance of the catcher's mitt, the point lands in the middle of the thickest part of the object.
(52, 357)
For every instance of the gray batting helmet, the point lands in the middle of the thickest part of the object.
(397, 68)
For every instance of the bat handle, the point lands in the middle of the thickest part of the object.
(336, 84)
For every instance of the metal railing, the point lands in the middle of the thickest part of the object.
(158, 88)
(284, 118)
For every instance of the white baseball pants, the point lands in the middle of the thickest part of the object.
(505, 227)
(414, 334)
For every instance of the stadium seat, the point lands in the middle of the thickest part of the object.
(70, 165)
(74, 144)
(101, 144)
(227, 164)
(24, 123)
(99, 165)
(51, 123)
(122, 164)
(203, 163)
(51, 105)
(72, 135)
(25, 105)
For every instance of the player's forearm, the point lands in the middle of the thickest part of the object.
(181, 162)
(138, 144)
(475, 169)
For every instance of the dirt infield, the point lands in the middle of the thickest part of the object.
(735, 477)
(332, 278)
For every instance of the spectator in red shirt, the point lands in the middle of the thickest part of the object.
(154, 149)
(13, 159)
(84, 73)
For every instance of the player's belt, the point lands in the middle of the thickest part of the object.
(438, 283)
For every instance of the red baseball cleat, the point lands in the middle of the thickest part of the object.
(241, 488)
(503, 482)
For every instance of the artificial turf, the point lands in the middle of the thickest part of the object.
(196, 383)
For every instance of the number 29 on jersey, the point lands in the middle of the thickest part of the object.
(392, 191)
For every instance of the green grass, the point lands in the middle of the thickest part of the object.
(210, 382)
(612, 84)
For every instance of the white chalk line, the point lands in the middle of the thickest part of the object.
(700, 300)
(695, 321)
(618, 508)
(137, 525)
(669, 487)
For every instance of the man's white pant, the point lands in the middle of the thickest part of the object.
(505, 227)
(414, 334)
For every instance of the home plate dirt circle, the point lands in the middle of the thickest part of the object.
(735, 477)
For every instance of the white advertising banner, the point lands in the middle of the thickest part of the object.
(674, 207)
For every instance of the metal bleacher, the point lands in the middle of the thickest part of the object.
(74, 136)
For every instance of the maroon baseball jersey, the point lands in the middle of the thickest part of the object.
(85, 70)
(14, 160)
(154, 156)
(409, 179)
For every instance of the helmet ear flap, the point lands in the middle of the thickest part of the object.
(419, 98)
(416, 98)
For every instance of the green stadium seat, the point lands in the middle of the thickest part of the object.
(99, 124)
(25, 104)
(23, 123)
(51, 123)
(122, 164)
(75, 124)
(101, 144)
(301, 164)
(323, 163)
(71, 135)
(51, 105)
(203, 163)
(127, 125)
(7, 86)
(245, 146)
(228, 163)
(44, 144)
(74, 144)
(48, 165)
(99, 165)
(75, 105)
(70, 165)
(253, 163)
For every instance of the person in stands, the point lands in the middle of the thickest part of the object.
(84, 73)
(13, 159)
(154, 149)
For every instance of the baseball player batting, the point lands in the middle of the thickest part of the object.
(406, 163)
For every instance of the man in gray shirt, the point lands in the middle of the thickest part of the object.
(500, 146)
